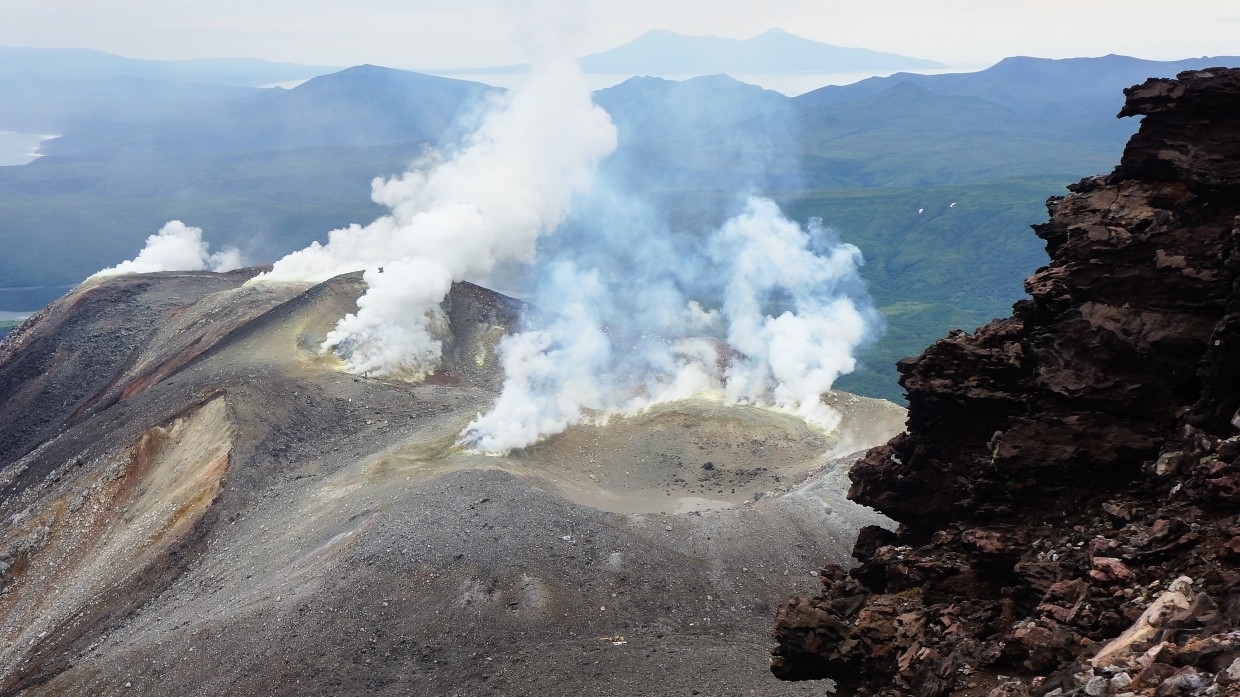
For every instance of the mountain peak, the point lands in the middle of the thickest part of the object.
(665, 52)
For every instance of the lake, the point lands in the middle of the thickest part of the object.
(20, 148)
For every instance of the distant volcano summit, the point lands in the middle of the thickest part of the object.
(775, 51)
(662, 52)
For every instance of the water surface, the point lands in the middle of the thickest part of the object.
(20, 148)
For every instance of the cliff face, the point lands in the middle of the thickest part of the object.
(1060, 461)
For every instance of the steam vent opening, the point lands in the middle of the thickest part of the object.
(679, 457)
(696, 454)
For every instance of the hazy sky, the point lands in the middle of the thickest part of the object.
(470, 33)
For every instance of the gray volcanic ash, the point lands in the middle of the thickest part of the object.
(195, 500)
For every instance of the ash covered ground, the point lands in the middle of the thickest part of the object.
(196, 501)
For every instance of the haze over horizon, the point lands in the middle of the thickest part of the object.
(477, 33)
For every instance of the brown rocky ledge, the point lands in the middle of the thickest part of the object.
(1068, 486)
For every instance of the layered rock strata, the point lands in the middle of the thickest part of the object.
(1068, 484)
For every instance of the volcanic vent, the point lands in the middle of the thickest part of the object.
(196, 500)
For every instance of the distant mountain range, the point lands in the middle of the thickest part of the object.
(1021, 117)
(358, 107)
(666, 53)
(1032, 86)
(657, 52)
(661, 52)
(934, 177)
(81, 62)
(54, 103)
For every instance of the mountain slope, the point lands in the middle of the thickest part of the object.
(652, 108)
(197, 502)
(358, 107)
(81, 62)
(37, 103)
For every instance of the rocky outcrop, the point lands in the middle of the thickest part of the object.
(1063, 466)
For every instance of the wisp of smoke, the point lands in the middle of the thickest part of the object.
(457, 217)
(176, 247)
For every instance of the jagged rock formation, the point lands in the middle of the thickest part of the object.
(1062, 466)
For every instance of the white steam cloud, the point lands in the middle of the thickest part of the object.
(457, 218)
(760, 311)
(774, 323)
(795, 355)
(176, 247)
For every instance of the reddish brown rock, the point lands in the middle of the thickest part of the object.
(1169, 145)
(1110, 570)
(1063, 467)
(1230, 549)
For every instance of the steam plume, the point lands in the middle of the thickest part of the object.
(176, 247)
(798, 353)
(772, 319)
(458, 217)
(759, 310)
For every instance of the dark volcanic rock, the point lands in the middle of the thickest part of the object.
(1190, 145)
(1062, 466)
(1125, 329)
